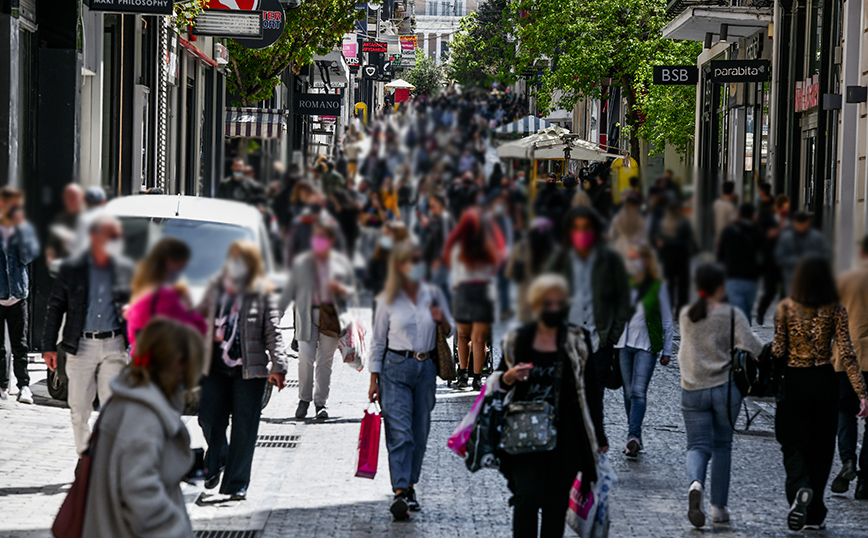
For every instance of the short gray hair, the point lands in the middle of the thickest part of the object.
(543, 284)
(103, 219)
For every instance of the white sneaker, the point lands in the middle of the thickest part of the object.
(694, 510)
(4, 394)
(720, 514)
(25, 396)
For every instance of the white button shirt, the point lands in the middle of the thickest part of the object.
(635, 334)
(404, 326)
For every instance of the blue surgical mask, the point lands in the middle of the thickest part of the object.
(417, 272)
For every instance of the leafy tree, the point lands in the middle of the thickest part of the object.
(426, 75)
(483, 51)
(591, 40)
(314, 28)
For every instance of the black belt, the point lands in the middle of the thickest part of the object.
(104, 335)
(423, 356)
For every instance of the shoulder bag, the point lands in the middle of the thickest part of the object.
(445, 363)
(529, 427)
(69, 522)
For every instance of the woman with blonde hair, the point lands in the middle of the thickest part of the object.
(628, 226)
(140, 446)
(647, 335)
(243, 338)
(158, 291)
(403, 365)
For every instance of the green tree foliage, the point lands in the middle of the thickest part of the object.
(588, 41)
(314, 28)
(426, 75)
(483, 51)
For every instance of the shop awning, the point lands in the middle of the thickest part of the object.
(524, 126)
(246, 122)
(330, 70)
(549, 144)
(694, 22)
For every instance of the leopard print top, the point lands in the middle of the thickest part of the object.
(805, 336)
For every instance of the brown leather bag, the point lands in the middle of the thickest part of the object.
(445, 362)
(69, 522)
(329, 323)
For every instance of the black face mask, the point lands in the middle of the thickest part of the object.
(554, 318)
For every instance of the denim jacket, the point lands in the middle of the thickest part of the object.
(22, 249)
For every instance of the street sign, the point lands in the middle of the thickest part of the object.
(374, 46)
(738, 70)
(387, 69)
(321, 84)
(149, 7)
(352, 62)
(370, 71)
(273, 22)
(316, 104)
(669, 75)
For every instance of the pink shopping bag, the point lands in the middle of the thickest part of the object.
(458, 440)
(369, 445)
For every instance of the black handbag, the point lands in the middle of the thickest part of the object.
(758, 377)
(529, 427)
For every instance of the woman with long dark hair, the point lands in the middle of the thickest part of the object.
(473, 251)
(709, 400)
(807, 325)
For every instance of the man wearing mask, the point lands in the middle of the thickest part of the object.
(91, 289)
(599, 287)
(19, 248)
(240, 187)
(797, 241)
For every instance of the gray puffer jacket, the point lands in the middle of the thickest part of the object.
(261, 339)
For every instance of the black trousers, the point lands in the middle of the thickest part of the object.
(806, 424)
(225, 393)
(541, 482)
(602, 360)
(676, 268)
(848, 425)
(14, 317)
(772, 285)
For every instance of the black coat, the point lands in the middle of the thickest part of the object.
(70, 296)
(740, 250)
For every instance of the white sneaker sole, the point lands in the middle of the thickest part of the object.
(799, 511)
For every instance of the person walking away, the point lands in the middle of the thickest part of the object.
(676, 245)
(239, 187)
(403, 365)
(405, 198)
(766, 200)
(473, 252)
(321, 283)
(740, 251)
(628, 227)
(92, 290)
(547, 360)
(853, 289)
(723, 209)
(528, 260)
(63, 227)
(647, 335)
(796, 242)
(599, 287)
(157, 290)
(550, 203)
(436, 228)
(332, 180)
(807, 325)
(142, 449)
(19, 247)
(499, 207)
(771, 273)
(243, 337)
(708, 397)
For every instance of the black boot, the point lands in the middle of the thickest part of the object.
(477, 382)
(861, 491)
(461, 380)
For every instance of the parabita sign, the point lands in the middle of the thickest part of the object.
(738, 71)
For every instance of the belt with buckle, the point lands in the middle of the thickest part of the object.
(103, 335)
(419, 356)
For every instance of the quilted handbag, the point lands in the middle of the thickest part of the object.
(530, 426)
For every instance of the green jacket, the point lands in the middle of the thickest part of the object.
(611, 290)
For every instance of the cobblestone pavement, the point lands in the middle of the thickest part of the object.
(310, 491)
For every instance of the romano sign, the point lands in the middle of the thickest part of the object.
(150, 7)
(738, 71)
(317, 104)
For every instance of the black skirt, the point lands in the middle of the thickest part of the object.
(471, 303)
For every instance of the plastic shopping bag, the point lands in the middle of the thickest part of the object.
(589, 516)
(458, 440)
(485, 435)
(352, 343)
(369, 444)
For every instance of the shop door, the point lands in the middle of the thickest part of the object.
(808, 185)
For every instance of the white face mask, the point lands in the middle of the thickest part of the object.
(386, 242)
(114, 247)
(236, 269)
(635, 267)
(417, 272)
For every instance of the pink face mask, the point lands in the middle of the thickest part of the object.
(320, 244)
(583, 240)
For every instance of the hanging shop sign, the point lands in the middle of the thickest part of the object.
(374, 46)
(371, 71)
(233, 5)
(408, 44)
(670, 75)
(322, 84)
(807, 93)
(316, 104)
(235, 24)
(254, 24)
(738, 70)
(352, 62)
(149, 7)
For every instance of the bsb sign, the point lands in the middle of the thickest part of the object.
(669, 75)
(738, 71)
(317, 104)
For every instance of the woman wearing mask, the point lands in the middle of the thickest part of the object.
(157, 290)
(392, 232)
(403, 365)
(473, 251)
(647, 334)
(708, 397)
(140, 447)
(676, 244)
(547, 359)
(807, 325)
(243, 338)
(321, 283)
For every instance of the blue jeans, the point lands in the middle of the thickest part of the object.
(709, 436)
(407, 396)
(742, 294)
(637, 365)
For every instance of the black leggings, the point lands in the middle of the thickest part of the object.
(541, 482)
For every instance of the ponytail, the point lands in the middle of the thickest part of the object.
(709, 277)
(698, 311)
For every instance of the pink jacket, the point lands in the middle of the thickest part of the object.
(168, 304)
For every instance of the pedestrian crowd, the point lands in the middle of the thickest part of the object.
(412, 213)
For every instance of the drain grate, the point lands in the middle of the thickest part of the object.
(226, 534)
(277, 441)
(292, 383)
